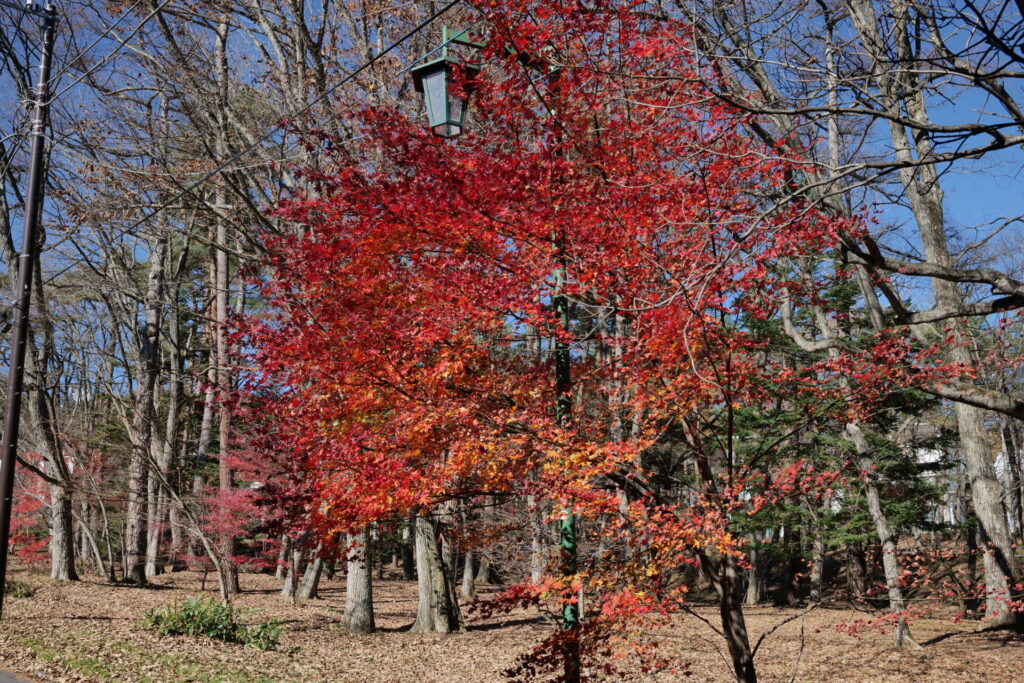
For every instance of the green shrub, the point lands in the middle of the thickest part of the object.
(199, 616)
(19, 589)
(263, 635)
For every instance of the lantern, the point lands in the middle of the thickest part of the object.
(446, 111)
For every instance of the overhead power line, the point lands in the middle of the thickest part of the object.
(81, 53)
(27, 8)
(266, 136)
(121, 43)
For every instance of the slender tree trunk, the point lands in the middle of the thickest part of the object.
(163, 445)
(856, 570)
(308, 589)
(89, 537)
(757, 575)
(971, 603)
(408, 550)
(154, 528)
(142, 419)
(1015, 479)
(468, 584)
(485, 573)
(359, 585)
(228, 541)
(725, 578)
(291, 581)
(818, 551)
(789, 587)
(174, 519)
(282, 557)
(51, 447)
(890, 561)
(538, 540)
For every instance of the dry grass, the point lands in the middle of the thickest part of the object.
(90, 631)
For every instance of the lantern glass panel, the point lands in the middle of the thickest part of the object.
(457, 105)
(435, 89)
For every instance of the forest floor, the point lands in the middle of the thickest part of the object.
(90, 631)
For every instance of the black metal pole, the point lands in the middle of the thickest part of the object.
(26, 265)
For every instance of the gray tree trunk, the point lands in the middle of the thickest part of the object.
(890, 562)
(408, 550)
(757, 575)
(538, 540)
(818, 550)
(311, 577)
(438, 610)
(1015, 480)
(62, 555)
(856, 570)
(291, 581)
(143, 416)
(359, 585)
(222, 283)
(901, 91)
(468, 584)
(282, 557)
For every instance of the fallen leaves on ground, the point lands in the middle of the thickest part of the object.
(89, 631)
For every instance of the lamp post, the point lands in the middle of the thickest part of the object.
(446, 113)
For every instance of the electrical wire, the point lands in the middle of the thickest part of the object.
(103, 60)
(81, 53)
(266, 136)
(246, 167)
(26, 8)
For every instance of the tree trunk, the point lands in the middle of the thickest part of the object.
(1015, 480)
(141, 427)
(438, 607)
(41, 412)
(359, 585)
(971, 603)
(174, 558)
(154, 528)
(291, 581)
(901, 92)
(311, 577)
(282, 557)
(789, 588)
(222, 283)
(818, 557)
(538, 540)
(725, 578)
(408, 551)
(62, 555)
(485, 573)
(856, 570)
(757, 575)
(890, 561)
(468, 584)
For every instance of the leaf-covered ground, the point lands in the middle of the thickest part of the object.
(90, 631)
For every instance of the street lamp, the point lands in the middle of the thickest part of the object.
(446, 109)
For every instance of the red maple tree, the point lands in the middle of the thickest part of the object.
(411, 352)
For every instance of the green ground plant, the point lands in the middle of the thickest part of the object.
(199, 616)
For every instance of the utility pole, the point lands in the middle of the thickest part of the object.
(23, 300)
